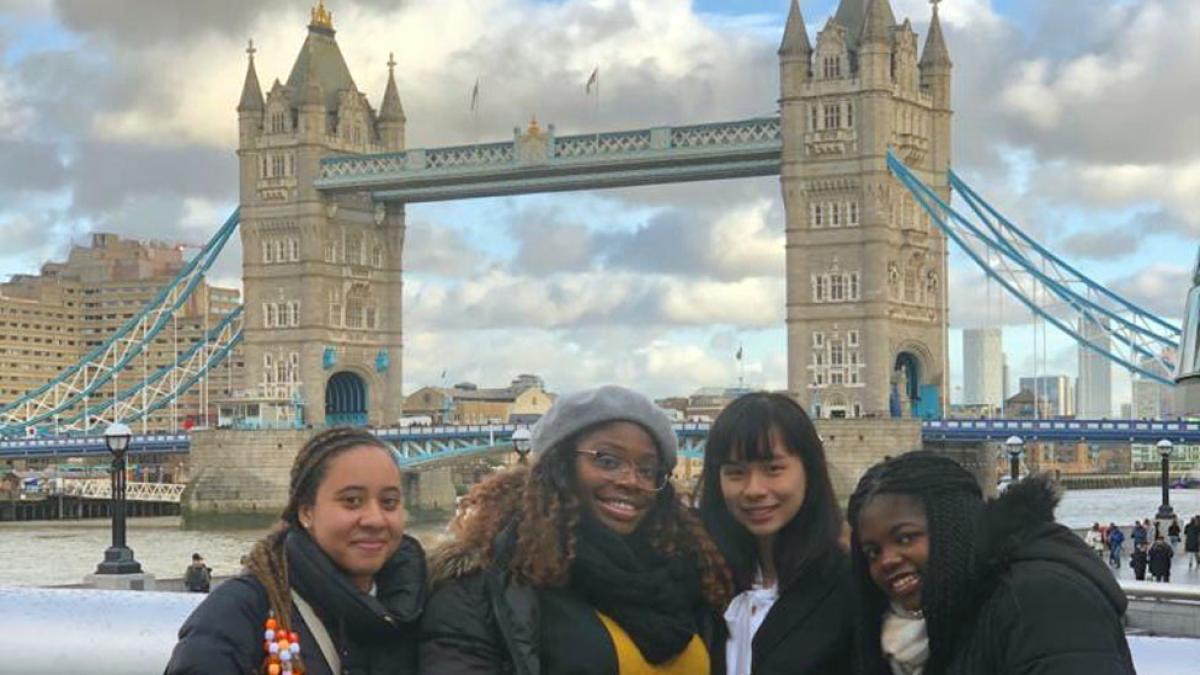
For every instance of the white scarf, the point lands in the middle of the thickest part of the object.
(743, 617)
(904, 641)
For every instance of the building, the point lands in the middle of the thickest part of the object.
(983, 367)
(1054, 391)
(524, 401)
(1152, 399)
(322, 272)
(1094, 395)
(1023, 405)
(50, 321)
(866, 306)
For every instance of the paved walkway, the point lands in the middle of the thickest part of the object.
(1180, 573)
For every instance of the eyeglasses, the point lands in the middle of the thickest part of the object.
(614, 467)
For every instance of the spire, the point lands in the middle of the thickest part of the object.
(878, 22)
(795, 35)
(851, 14)
(320, 62)
(322, 19)
(252, 98)
(936, 53)
(391, 110)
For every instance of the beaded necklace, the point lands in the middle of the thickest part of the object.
(282, 648)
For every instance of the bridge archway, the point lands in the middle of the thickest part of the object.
(345, 400)
(906, 384)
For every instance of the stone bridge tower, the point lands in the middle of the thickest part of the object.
(866, 268)
(322, 275)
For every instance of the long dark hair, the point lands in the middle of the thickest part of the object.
(953, 504)
(742, 432)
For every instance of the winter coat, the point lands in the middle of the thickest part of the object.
(1115, 537)
(1191, 538)
(197, 578)
(1160, 559)
(480, 621)
(1138, 559)
(1035, 577)
(808, 630)
(1095, 540)
(1139, 535)
(224, 635)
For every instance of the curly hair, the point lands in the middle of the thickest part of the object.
(267, 560)
(541, 503)
(953, 504)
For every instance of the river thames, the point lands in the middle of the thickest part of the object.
(48, 553)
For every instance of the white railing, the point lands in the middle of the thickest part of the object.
(101, 488)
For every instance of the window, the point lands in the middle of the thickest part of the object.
(837, 355)
(277, 122)
(814, 118)
(837, 291)
(833, 114)
(356, 304)
(833, 67)
(818, 215)
(819, 288)
(335, 307)
(852, 213)
(835, 215)
(852, 338)
(849, 114)
(852, 286)
(263, 174)
(837, 377)
(293, 313)
(277, 166)
(354, 246)
(377, 256)
(294, 248)
(269, 368)
(818, 339)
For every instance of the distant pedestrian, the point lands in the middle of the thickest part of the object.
(198, 577)
(1116, 540)
(1095, 540)
(1160, 560)
(1173, 532)
(1138, 560)
(1191, 542)
(1139, 534)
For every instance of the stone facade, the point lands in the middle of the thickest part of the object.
(866, 267)
(322, 274)
(853, 445)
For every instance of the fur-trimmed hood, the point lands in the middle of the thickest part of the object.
(453, 560)
(1019, 526)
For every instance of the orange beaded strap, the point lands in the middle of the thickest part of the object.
(282, 649)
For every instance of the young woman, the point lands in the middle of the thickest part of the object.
(767, 500)
(951, 586)
(587, 562)
(337, 577)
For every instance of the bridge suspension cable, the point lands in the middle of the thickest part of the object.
(1049, 294)
(76, 385)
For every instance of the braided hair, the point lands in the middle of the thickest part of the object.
(953, 505)
(267, 560)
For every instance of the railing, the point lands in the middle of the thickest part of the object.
(101, 488)
(1100, 430)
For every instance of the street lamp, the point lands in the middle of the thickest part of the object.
(1014, 444)
(118, 558)
(522, 442)
(1165, 512)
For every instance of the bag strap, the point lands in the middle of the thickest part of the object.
(320, 633)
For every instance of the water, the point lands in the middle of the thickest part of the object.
(48, 553)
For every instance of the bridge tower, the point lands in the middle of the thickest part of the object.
(867, 308)
(322, 274)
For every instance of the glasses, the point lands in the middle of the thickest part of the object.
(614, 468)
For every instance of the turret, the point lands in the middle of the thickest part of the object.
(250, 107)
(935, 64)
(875, 49)
(391, 113)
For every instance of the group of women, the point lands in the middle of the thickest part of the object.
(587, 561)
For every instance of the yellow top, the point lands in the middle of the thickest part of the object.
(321, 16)
(692, 660)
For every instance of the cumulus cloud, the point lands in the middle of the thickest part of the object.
(1102, 244)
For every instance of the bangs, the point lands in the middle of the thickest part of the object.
(751, 444)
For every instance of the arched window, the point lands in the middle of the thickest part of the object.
(335, 307)
(354, 248)
(356, 305)
(269, 368)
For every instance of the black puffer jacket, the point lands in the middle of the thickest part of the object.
(1047, 604)
(375, 635)
(479, 621)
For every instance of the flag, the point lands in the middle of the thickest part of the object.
(739, 354)
(475, 96)
(594, 80)
(443, 374)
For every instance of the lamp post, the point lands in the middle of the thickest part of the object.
(1015, 445)
(118, 558)
(1165, 512)
(522, 442)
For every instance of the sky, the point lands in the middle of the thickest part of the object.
(1077, 118)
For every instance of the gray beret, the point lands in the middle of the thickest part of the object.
(610, 403)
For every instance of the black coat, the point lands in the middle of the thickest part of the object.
(1191, 537)
(480, 621)
(1037, 577)
(808, 629)
(224, 635)
(1160, 559)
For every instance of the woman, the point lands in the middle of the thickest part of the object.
(584, 563)
(951, 586)
(1160, 560)
(1191, 541)
(337, 576)
(1094, 538)
(767, 500)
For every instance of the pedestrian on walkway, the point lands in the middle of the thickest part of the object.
(198, 577)
(949, 584)
(1191, 542)
(1139, 533)
(1160, 560)
(1138, 561)
(1173, 532)
(1095, 540)
(1116, 540)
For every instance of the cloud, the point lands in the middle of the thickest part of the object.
(1101, 244)
(438, 249)
(1159, 288)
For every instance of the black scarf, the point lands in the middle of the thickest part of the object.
(654, 599)
(399, 589)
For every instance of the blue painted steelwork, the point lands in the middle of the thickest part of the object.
(92, 446)
(1136, 431)
(938, 210)
(75, 385)
(542, 162)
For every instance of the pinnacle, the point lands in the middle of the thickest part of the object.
(795, 34)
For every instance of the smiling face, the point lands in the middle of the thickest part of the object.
(894, 535)
(765, 495)
(357, 517)
(618, 499)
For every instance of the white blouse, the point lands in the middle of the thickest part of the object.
(744, 615)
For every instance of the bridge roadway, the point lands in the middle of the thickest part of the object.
(421, 445)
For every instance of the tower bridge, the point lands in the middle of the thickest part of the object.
(862, 146)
